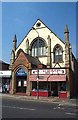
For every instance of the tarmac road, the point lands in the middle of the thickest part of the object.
(17, 108)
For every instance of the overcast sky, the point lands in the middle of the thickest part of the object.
(19, 17)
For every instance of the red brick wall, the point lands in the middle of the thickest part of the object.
(20, 60)
(72, 87)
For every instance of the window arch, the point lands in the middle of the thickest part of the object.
(58, 54)
(38, 47)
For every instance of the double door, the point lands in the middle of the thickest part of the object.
(21, 84)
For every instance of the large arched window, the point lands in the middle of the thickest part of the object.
(58, 54)
(38, 47)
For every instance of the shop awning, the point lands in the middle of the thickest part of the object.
(41, 78)
(55, 78)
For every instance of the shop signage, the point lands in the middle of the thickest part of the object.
(21, 72)
(48, 71)
(5, 73)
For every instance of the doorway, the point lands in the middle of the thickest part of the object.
(54, 88)
(21, 84)
(21, 80)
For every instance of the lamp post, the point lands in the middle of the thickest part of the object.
(37, 88)
(37, 68)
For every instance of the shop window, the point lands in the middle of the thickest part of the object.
(63, 86)
(58, 54)
(42, 85)
(34, 86)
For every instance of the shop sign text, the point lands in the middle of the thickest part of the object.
(48, 71)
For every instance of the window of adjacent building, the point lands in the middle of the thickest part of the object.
(38, 48)
(58, 54)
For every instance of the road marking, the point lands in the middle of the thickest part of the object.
(71, 113)
(60, 104)
(61, 108)
(18, 108)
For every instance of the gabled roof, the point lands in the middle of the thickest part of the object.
(45, 26)
(32, 60)
(42, 26)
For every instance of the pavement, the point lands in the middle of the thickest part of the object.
(51, 99)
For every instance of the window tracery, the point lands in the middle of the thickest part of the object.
(38, 47)
(58, 54)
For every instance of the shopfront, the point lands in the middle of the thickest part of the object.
(53, 81)
(5, 77)
(21, 80)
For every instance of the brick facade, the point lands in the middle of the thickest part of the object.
(21, 56)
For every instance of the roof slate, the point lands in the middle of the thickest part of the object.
(33, 60)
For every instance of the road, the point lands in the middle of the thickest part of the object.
(16, 108)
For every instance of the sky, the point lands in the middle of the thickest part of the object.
(19, 17)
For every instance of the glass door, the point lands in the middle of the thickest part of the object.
(21, 85)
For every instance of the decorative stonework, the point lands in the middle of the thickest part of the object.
(19, 59)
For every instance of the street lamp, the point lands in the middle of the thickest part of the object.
(37, 68)
(37, 88)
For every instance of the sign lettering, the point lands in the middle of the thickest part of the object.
(21, 72)
(48, 71)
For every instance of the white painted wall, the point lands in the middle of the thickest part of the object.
(43, 33)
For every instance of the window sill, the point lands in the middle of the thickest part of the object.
(59, 62)
(41, 56)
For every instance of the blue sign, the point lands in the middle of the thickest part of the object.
(21, 72)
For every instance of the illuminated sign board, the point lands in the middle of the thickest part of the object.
(48, 71)
(21, 72)
(5, 73)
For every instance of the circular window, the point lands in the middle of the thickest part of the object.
(38, 24)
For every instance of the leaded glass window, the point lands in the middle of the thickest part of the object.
(58, 54)
(38, 47)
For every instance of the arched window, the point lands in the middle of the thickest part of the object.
(38, 47)
(58, 54)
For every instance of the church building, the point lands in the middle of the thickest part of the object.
(42, 64)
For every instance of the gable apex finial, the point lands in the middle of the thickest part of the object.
(15, 38)
(66, 29)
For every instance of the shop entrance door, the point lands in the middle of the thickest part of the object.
(21, 85)
(21, 80)
(54, 88)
